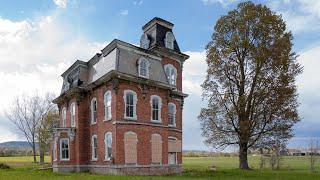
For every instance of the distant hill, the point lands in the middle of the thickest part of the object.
(15, 144)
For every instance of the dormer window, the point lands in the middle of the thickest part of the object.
(143, 68)
(169, 40)
(144, 41)
(171, 73)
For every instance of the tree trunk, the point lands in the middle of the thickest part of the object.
(34, 152)
(243, 156)
(41, 156)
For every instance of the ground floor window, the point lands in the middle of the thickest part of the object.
(172, 158)
(54, 149)
(64, 149)
(94, 146)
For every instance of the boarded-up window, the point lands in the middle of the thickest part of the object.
(156, 148)
(130, 147)
(174, 145)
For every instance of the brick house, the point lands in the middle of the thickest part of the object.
(121, 112)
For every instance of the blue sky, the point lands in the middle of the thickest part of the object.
(39, 39)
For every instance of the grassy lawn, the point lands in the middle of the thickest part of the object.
(195, 168)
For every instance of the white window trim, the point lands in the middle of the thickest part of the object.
(105, 104)
(147, 64)
(160, 107)
(64, 117)
(73, 123)
(169, 75)
(106, 157)
(55, 158)
(92, 146)
(91, 111)
(169, 37)
(175, 114)
(135, 100)
(64, 159)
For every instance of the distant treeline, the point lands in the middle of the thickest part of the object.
(9, 152)
(207, 154)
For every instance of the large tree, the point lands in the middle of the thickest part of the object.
(250, 83)
(29, 114)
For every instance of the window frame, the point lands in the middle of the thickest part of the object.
(159, 108)
(135, 100)
(94, 150)
(140, 61)
(64, 117)
(92, 113)
(64, 159)
(169, 40)
(106, 150)
(73, 116)
(107, 106)
(171, 81)
(174, 114)
(144, 41)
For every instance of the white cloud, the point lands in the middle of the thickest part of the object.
(300, 15)
(61, 3)
(138, 2)
(224, 3)
(34, 54)
(124, 12)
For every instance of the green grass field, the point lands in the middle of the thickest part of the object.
(195, 168)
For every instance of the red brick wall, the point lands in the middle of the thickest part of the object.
(81, 145)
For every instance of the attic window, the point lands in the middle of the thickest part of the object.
(144, 41)
(143, 68)
(169, 40)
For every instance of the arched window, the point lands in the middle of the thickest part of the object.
(73, 114)
(107, 105)
(64, 149)
(130, 99)
(172, 114)
(64, 117)
(143, 67)
(93, 108)
(172, 150)
(171, 73)
(130, 147)
(144, 41)
(94, 148)
(169, 40)
(156, 104)
(108, 145)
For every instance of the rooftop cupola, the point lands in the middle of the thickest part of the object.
(158, 33)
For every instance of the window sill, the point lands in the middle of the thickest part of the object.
(172, 125)
(94, 160)
(107, 160)
(106, 120)
(64, 159)
(131, 118)
(93, 123)
(156, 121)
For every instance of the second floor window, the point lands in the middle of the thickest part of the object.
(73, 114)
(93, 108)
(171, 73)
(130, 98)
(64, 117)
(155, 108)
(172, 114)
(107, 105)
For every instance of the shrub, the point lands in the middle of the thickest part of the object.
(4, 166)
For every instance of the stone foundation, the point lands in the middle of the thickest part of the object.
(120, 170)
